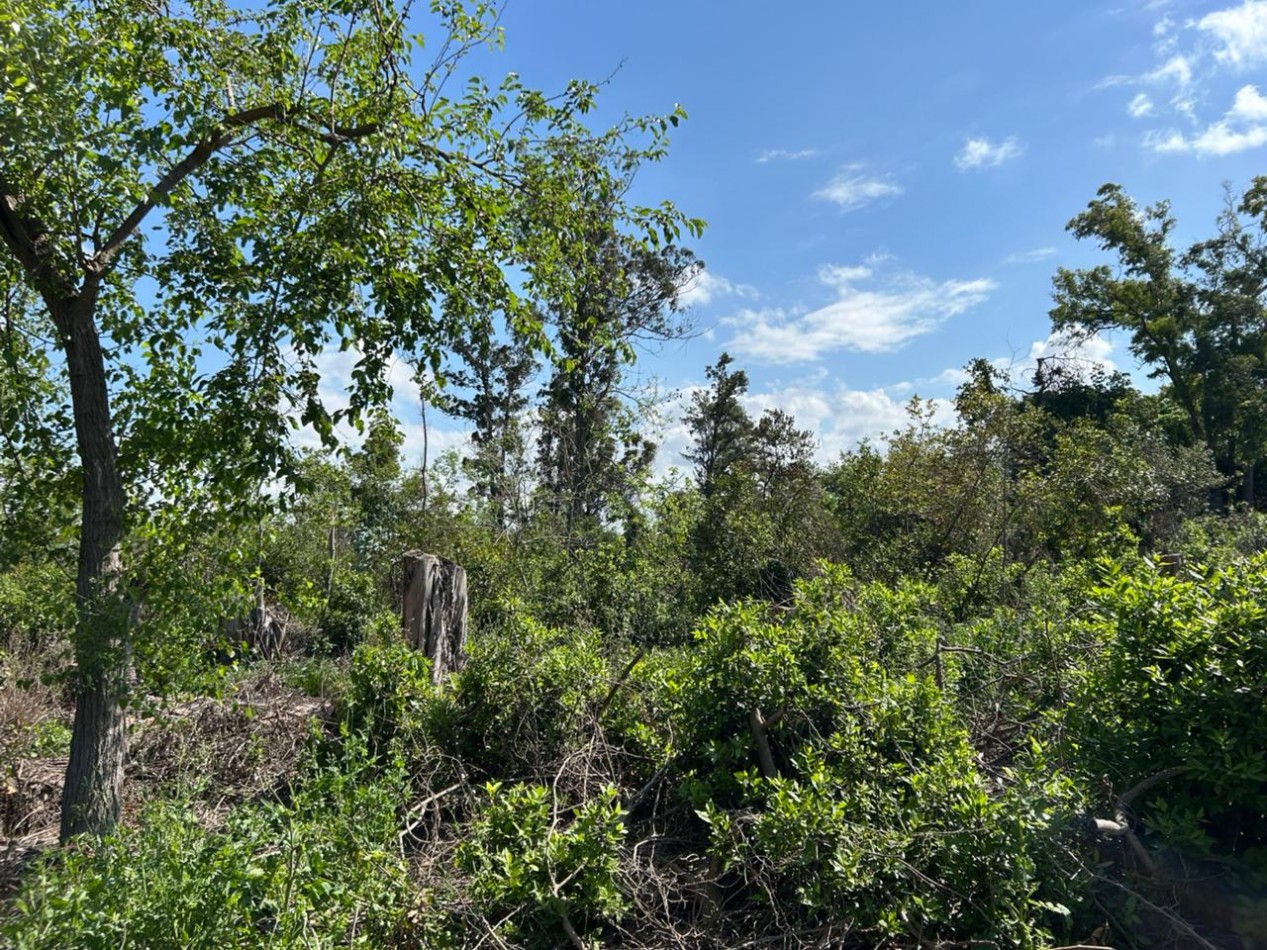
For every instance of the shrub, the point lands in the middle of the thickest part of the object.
(527, 694)
(389, 694)
(869, 804)
(354, 614)
(323, 871)
(547, 869)
(1178, 686)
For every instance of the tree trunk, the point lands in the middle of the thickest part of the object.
(94, 775)
(434, 610)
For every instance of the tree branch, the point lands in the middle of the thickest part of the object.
(28, 248)
(765, 756)
(219, 137)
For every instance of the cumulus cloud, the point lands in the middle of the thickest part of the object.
(854, 188)
(335, 368)
(1083, 352)
(868, 315)
(1243, 126)
(705, 287)
(1240, 34)
(786, 155)
(1075, 353)
(982, 153)
(1191, 58)
(841, 416)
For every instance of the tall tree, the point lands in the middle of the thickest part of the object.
(489, 390)
(720, 426)
(625, 295)
(1197, 317)
(207, 201)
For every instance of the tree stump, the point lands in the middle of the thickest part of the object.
(434, 610)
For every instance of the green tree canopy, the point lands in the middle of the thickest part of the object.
(1198, 317)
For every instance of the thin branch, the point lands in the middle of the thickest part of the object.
(1141, 787)
(1178, 922)
(620, 681)
(221, 136)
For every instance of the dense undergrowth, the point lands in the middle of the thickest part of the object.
(852, 768)
(997, 686)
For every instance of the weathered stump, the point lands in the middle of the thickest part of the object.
(434, 610)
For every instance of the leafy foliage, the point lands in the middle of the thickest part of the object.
(324, 870)
(1176, 690)
(550, 867)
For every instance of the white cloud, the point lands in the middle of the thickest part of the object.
(1140, 106)
(706, 287)
(853, 188)
(982, 153)
(786, 155)
(1221, 139)
(335, 368)
(1177, 71)
(1190, 57)
(1079, 353)
(1241, 33)
(1243, 126)
(838, 415)
(842, 417)
(872, 319)
(1249, 105)
(1031, 257)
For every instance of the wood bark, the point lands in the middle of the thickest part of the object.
(434, 610)
(761, 736)
(94, 774)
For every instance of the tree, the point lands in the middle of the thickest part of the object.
(494, 375)
(203, 204)
(719, 424)
(375, 489)
(1197, 317)
(623, 294)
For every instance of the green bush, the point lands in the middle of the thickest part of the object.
(542, 866)
(354, 614)
(527, 694)
(37, 606)
(1179, 686)
(389, 694)
(322, 871)
(872, 806)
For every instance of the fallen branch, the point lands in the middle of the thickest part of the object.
(1140, 788)
(1121, 829)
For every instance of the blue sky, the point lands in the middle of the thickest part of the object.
(886, 185)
